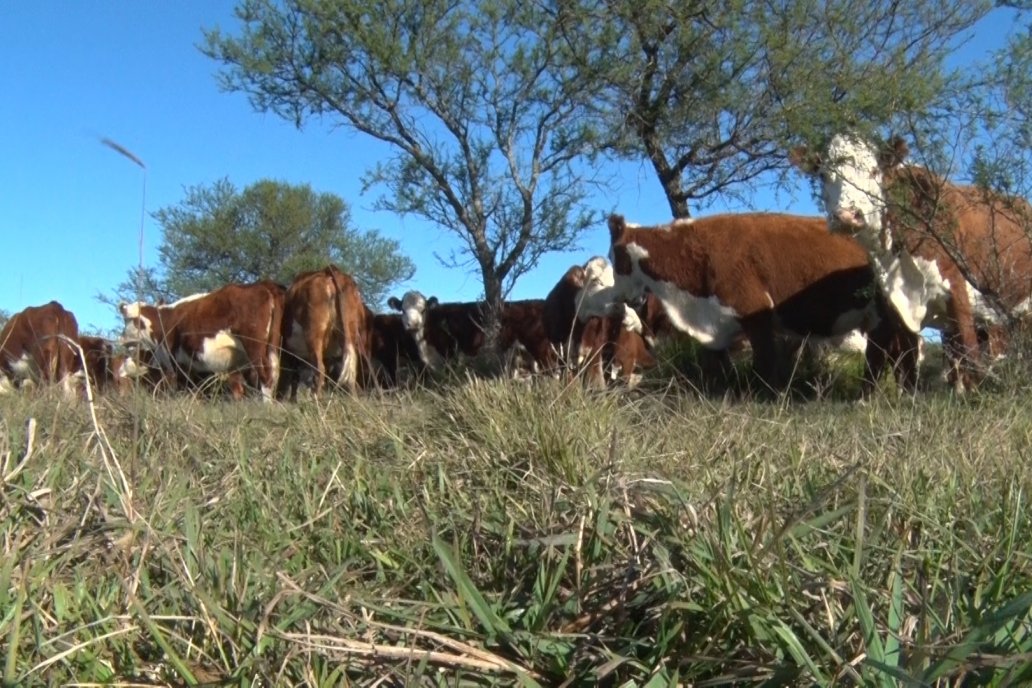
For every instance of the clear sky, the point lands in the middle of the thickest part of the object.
(74, 72)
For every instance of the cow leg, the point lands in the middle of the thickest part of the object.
(759, 329)
(962, 349)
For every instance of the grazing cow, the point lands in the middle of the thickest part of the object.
(584, 324)
(234, 330)
(325, 321)
(757, 275)
(616, 343)
(444, 330)
(948, 257)
(36, 346)
(105, 368)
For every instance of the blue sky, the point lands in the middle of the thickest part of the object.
(73, 73)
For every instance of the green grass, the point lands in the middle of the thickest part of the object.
(508, 533)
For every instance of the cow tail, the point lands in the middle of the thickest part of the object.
(349, 366)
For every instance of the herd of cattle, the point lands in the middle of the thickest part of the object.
(907, 250)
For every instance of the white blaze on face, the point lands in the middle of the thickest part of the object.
(598, 292)
(413, 312)
(413, 318)
(137, 327)
(852, 188)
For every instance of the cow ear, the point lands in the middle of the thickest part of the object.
(617, 225)
(394, 303)
(894, 153)
(807, 162)
(432, 302)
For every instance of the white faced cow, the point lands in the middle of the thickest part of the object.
(760, 275)
(949, 257)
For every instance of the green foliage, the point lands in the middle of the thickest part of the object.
(218, 235)
(713, 94)
(471, 97)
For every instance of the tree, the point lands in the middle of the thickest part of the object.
(472, 98)
(713, 93)
(218, 235)
(4, 317)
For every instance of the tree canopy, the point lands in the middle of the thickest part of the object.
(217, 235)
(712, 94)
(473, 98)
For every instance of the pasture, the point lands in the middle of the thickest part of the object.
(499, 532)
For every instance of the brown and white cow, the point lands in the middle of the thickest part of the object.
(234, 330)
(325, 322)
(948, 257)
(589, 329)
(105, 367)
(36, 345)
(760, 275)
(445, 330)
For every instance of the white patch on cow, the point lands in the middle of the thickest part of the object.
(853, 195)
(219, 354)
(129, 369)
(631, 322)
(916, 288)
(706, 319)
(24, 368)
(349, 368)
(6, 386)
(185, 299)
(596, 297)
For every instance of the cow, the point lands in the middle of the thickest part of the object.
(105, 368)
(757, 275)
(325, 321)
(615, 343)
(234, 330)
(37, 346)
(442, 331)
(948, 257)
(586, 326)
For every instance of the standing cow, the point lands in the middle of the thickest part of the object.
(37, 345)
(758, 275)
(949, 257)
(325, 321)
(234, 331)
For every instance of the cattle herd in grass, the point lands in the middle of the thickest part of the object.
(907, 250)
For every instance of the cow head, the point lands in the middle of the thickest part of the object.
(626, 257)
(852, 177)
(413, 307)
(139, 323)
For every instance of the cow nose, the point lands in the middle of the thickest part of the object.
(852, 218)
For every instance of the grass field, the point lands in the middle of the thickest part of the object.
(512, 533)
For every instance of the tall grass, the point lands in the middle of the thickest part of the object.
(517, 534)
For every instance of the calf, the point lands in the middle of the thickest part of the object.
(757, 275)
(36, 345)
(104, 367)
(234, 330)
(947, 256)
